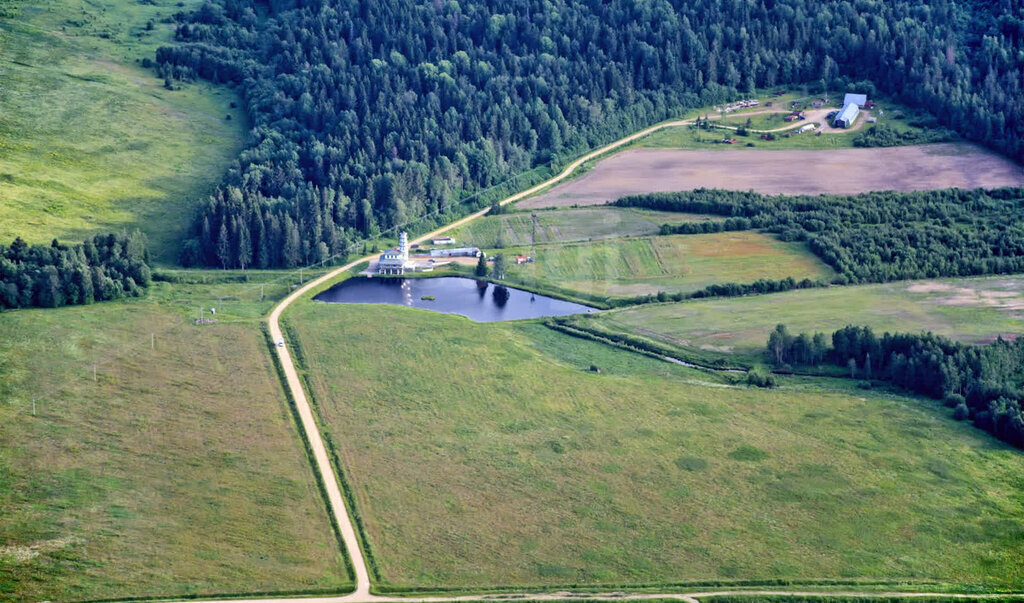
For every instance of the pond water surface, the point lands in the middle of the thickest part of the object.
(476, 300)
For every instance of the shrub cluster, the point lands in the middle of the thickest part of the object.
(885, 136)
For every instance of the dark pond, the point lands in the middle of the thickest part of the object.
(477, 300)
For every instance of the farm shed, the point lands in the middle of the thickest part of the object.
(855, 99)
(847, 116)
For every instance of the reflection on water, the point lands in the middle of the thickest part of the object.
(452, 295)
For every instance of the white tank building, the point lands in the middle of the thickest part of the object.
(396, 260)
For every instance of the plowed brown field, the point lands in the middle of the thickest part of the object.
(842, 171)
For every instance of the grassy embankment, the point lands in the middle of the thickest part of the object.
(89, 140)
(178, 471)
(485, 455)
(974, 310)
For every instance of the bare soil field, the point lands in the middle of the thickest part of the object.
(793, 172)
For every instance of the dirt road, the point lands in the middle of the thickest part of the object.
(688, 597)
(336, 503)
(792, 172)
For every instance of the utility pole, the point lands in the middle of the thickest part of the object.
(93, 371)
(261, 292)
(152, 341)
(33, 407)
(300, 276)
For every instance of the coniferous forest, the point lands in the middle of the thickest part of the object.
(102, 268)
(370, 115)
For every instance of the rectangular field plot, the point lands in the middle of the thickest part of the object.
(792, 172)
(567, 225)
(975, 310)
(678, 263)
(488, 455)
(178, 472)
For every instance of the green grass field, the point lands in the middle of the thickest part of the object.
(972, 310)
(179, 471)
(678, 263)
(567, 225)
(487, 454)
(92, 142)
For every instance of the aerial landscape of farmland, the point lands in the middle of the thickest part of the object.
(464, 301)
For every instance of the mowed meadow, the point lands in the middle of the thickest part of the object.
(971, 310)
(90, 141)
(489, 454)
(177, 472)
(673, 264)
(520, 229)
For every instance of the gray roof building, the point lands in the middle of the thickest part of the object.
(857, 99)
(847, 116)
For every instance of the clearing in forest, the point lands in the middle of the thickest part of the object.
(972, 310)
(840, 171)
(677, 263)
(489, 454)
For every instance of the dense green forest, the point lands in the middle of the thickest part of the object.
(102, 268)
(369, 115)
(873, 237)
(981, 383)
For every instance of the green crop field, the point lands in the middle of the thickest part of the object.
(487, 454)
(567, 225)
(974, 310)
(179, 471)
(641, 266)
(92, 142)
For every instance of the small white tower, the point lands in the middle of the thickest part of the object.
(403, 245)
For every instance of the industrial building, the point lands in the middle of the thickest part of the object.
(458, 252)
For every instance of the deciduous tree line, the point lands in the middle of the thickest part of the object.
(981, 383)
(102, 268)
(874, 237)
(397, 109)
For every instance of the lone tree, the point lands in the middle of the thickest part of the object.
(481, 266)
(499, 267)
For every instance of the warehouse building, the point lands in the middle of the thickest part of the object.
(847, 115)
(458, 252)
